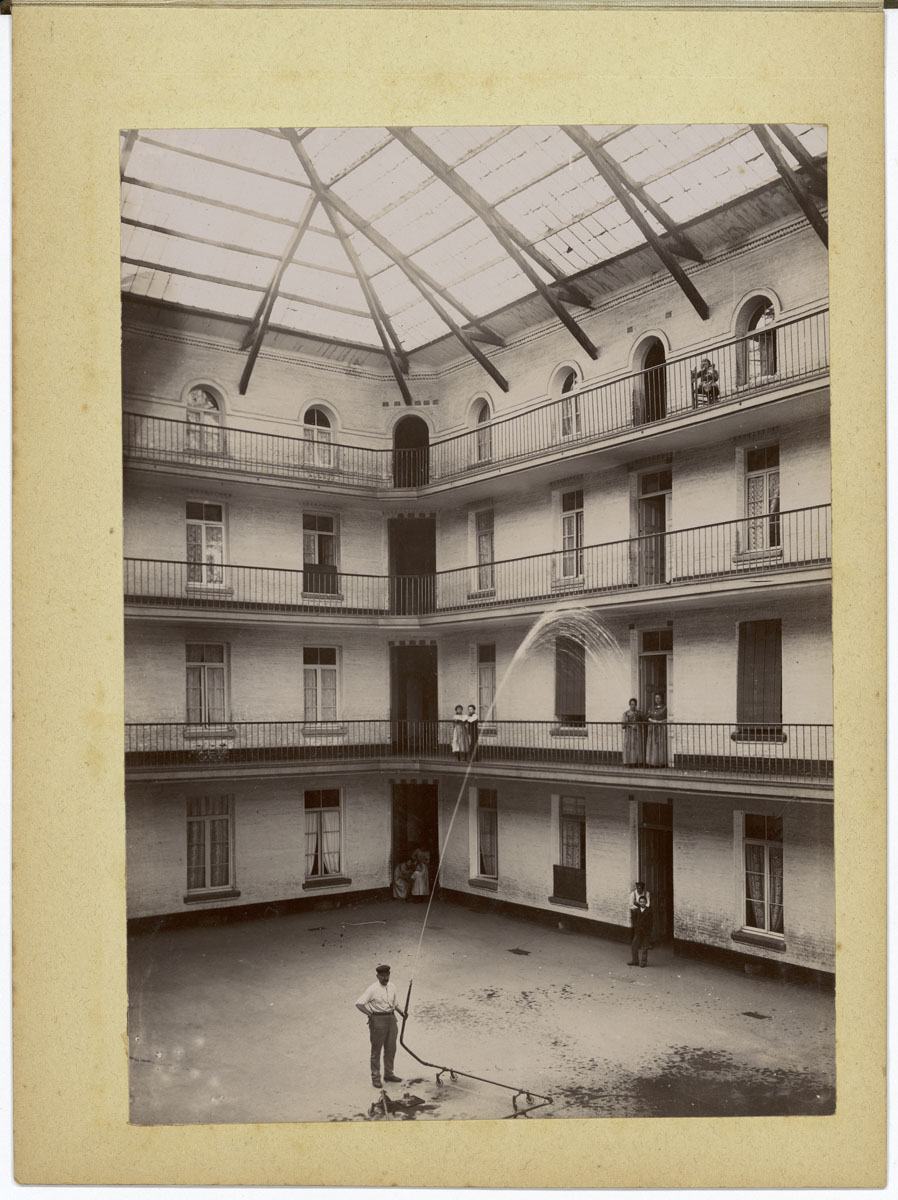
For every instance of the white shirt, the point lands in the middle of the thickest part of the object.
(634, 900)
(378, 998)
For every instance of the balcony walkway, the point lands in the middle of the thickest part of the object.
(792, 352)
(773, 543)
(722, 751)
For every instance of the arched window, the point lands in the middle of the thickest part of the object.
(204, 433)
(757, 356)
(484, 433)
(565, 381)
(316, 428)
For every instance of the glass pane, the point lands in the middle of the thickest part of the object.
(328, 695)
(309, 655)
(329, 797)
(194, 694)
(328, 655)
(194, 510)
(755, 827)
(213, 654)
(216, 697)
(196, 854)
(194, 652)
(310, 694)
(212, 512)
(775, 831)
(486, 653)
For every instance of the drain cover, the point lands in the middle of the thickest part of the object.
(757, 1016)
(518, 951)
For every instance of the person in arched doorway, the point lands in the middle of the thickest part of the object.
(632, 723)
(461, 734)
(656, 737)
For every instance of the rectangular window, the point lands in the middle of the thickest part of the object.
(319, 554)
(572, 534)
(486, 680)
(206, 691)
(205, 542)
(569, 872)
(570, 681)
(571, 422)
(759, 699)
(487, 833)
(483, 534)
(763, 844)
(319, 677)
(323, 833)
(762, 498)
(209, 857)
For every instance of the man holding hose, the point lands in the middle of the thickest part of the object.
(378, 1003)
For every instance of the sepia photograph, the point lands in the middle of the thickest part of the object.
(477, 623)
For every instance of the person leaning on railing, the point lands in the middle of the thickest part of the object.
(705, 386)
(633, 725)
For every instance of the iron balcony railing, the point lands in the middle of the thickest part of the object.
(722, 374)
(761, 544)
(772, 751)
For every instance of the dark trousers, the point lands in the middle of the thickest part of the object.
(382, 1028)
(639, 947)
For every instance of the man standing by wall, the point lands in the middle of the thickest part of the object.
(642, 932)
(378, 1003)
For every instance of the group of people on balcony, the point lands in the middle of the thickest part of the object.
(465, 727)
(645, 734)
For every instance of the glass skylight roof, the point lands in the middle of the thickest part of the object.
(208, 214)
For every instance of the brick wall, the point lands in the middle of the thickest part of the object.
(708, 876)
(268, 838)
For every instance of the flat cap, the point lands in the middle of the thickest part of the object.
(382, 968)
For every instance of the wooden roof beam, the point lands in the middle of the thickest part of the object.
(262, 316)
(497, 227)
(815, 172)
(610, 172)
(794, 183)
(416, 275)
(678, 241)
(330, 203)
(395, 354)
(130, 142)
(568, 292)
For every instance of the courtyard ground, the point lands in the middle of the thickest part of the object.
(255, 1021)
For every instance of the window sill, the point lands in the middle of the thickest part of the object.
(209, 589)
(326, 881)
(569, 731)
(565, 903)
(330, 731)
(763, 555)
(767, 941)
(487, 885)
(322, 595)
(205, 732)
(760, 734)
(204, 897)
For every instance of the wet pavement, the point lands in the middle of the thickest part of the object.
(255, 1021)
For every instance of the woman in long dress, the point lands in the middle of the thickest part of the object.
(656, 738)
(461, 734)
(421, 875)
(633, 726)
(402, 880)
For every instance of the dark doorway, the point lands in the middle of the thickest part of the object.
(413, 561)
(655, 382)
(411, 453)
(656, 865)
(413, 698)
(416, 823)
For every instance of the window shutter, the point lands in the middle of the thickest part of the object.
(570, 679)
(760, 672)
